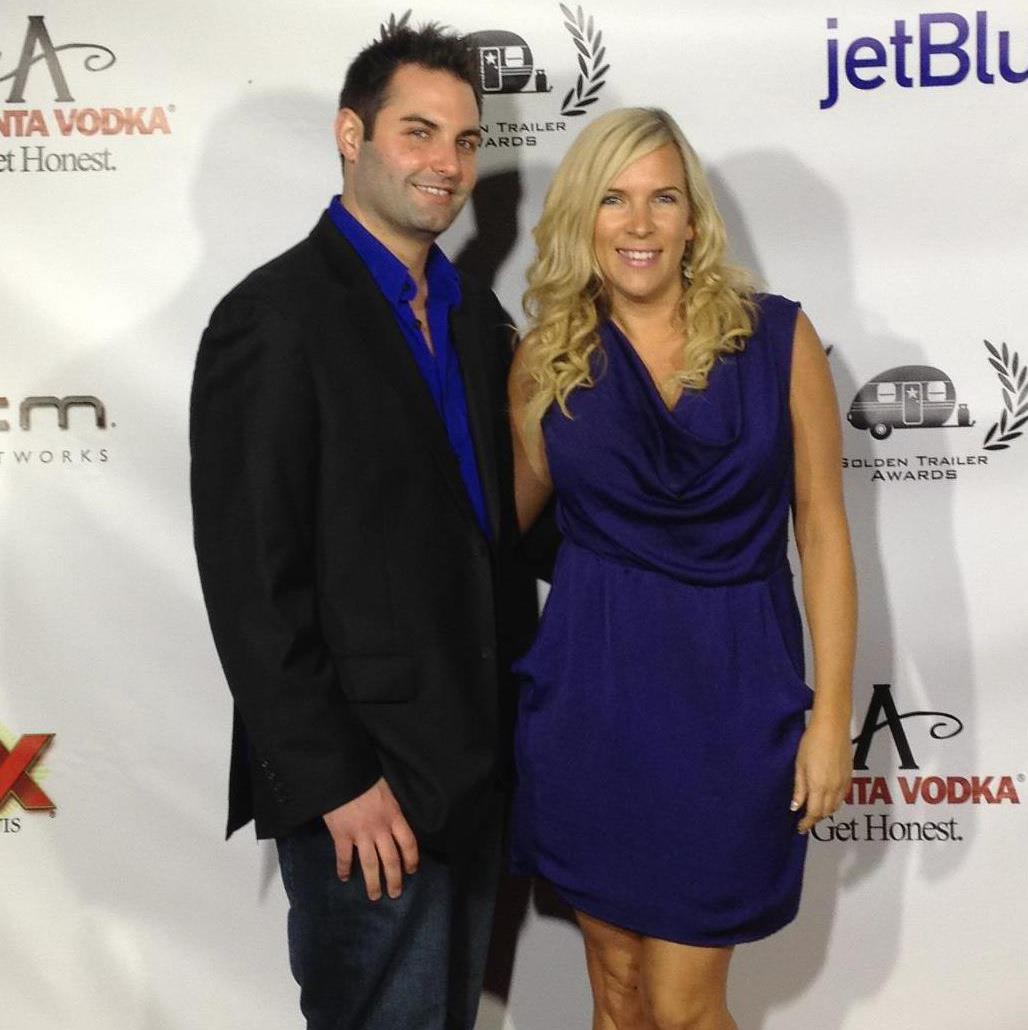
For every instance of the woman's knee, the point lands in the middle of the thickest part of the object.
(685, 987)
(613, 959)
(696, 1013)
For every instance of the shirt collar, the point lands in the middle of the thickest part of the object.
(390, 274)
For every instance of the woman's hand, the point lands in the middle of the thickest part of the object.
(824, 764)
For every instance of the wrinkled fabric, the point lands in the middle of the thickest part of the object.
(663, 699)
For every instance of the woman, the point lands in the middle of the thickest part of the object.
(667, 774)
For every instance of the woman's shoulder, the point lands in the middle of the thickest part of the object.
(773, 333)
(773, 307)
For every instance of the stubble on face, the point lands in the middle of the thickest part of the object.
(409, 182)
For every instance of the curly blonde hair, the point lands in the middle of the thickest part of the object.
(566, 297)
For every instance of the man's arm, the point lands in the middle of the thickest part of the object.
(254, 438)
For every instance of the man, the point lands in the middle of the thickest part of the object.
(354, 525)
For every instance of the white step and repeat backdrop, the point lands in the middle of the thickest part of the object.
(870, 159)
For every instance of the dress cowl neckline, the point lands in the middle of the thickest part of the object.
(711, 418)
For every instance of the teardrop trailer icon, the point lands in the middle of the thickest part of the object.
(907, 397)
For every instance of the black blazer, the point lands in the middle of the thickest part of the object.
(365, 624)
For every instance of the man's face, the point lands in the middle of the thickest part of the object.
(408, 183)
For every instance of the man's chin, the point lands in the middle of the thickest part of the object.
(435, 224)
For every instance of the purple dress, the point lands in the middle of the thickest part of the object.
(663, 699)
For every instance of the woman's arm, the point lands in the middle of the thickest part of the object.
(532, 484)
(824, 759)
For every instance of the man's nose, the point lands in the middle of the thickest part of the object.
(446, 159)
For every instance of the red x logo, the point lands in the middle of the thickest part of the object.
(14, 772)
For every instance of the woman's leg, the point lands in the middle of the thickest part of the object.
(613, 957)
(684, 987)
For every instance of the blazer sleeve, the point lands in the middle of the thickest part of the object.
(255, 466)
(537, 548)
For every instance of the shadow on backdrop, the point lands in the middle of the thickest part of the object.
(791, 227)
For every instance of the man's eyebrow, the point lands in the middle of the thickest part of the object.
(420, 119)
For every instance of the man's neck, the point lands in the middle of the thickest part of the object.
(412, 252)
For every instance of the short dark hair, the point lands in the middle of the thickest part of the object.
(430, 46)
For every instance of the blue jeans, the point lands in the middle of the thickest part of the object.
(412, 963)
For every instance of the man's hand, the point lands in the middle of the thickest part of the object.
(374, 825)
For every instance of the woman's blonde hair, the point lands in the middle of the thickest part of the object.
(566, 298)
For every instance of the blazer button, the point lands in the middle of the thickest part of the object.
(488, 653)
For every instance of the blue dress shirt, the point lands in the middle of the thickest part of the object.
(441, 370)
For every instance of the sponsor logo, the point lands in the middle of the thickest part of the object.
(19, 779)
(1013, 381)
(905, 786)
(47, 413)
(908, 397)
(939, 49)
(508, 64)
(41, 70)
(925, 397)
(505, 64)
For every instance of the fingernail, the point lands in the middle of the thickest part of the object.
(794, 806)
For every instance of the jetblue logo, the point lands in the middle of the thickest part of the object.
(942, 49)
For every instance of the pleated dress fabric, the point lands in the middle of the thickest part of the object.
(663, 700)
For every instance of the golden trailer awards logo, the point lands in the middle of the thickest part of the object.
(923, 397)
(508, 64)
(41, 64)
(1013, 381)
(893, 806)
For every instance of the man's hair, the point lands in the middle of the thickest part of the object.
(430, 46)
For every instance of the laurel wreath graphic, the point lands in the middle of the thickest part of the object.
(386, 29)
(1013, 377)
(591, 69)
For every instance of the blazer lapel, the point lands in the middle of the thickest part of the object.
(469, 336)
(373, 321)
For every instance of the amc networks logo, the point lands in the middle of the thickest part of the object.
(19, 772)
(61, 405)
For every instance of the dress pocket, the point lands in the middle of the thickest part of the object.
(785, 631)
(378, 678)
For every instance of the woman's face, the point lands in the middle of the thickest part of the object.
(642, 228)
